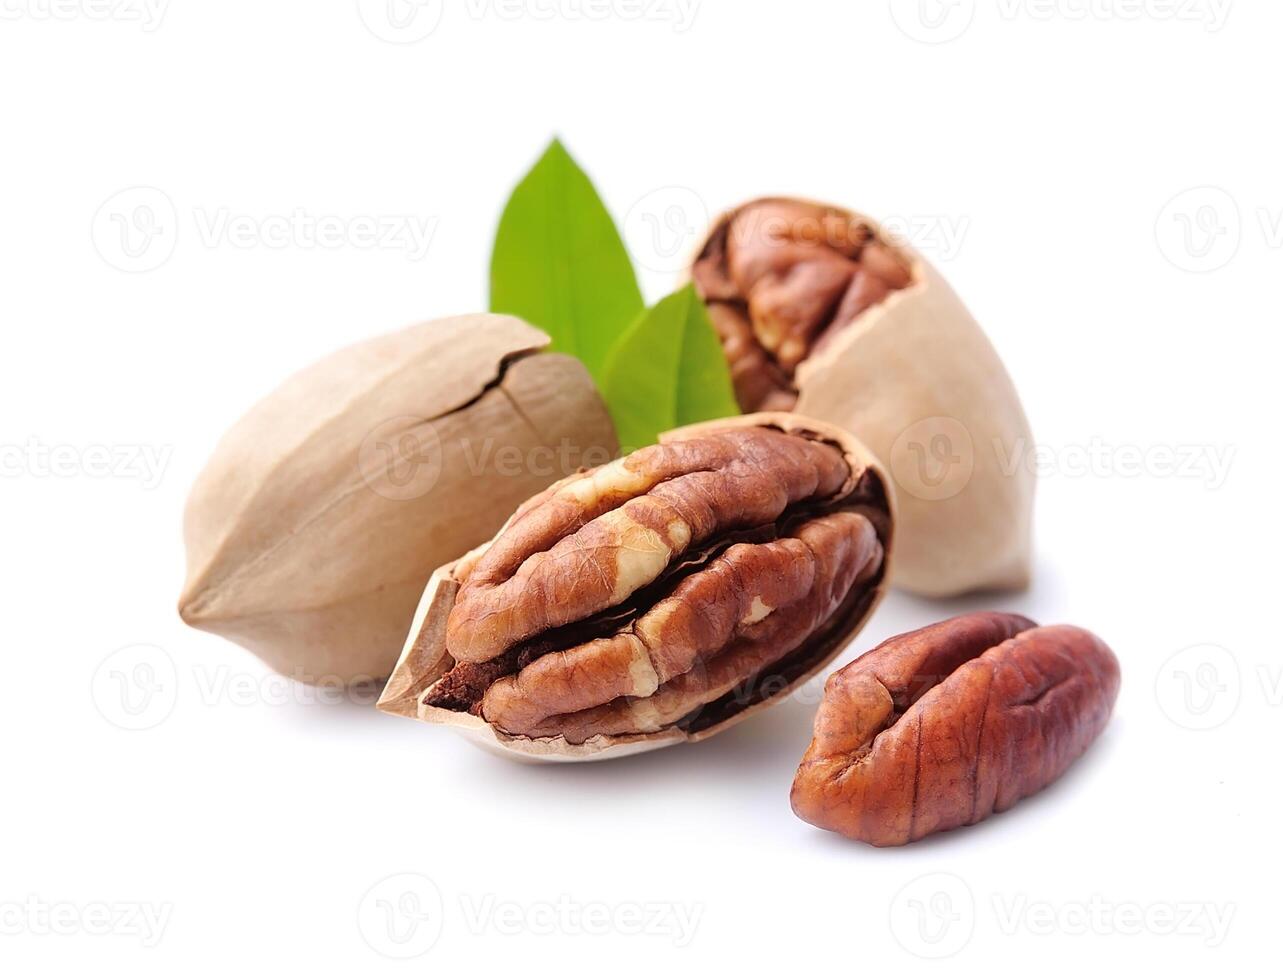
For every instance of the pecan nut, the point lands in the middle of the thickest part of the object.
(822, 312)
(780, 276)
(942, 727)
(321, 515)
(659, 597)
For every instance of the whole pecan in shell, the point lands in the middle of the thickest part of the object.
(948, 724)
(656, 598)
(319, 518)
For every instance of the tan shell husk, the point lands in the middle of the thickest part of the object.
(913, 367)
(424, 659)
(302, 551)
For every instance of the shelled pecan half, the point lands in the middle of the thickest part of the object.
(657, 598)
(946, 725)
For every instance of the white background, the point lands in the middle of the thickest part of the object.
(1099, 181)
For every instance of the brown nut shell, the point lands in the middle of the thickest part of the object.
(655, 600)
(942, 727)
(837, 320)
(320, 516)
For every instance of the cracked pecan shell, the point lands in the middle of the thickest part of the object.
(658, 598)
(321, 515)
(822, 312)
(941, 727)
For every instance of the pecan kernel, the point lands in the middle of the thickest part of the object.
(942, 727)
(630, 599)
(779, 278)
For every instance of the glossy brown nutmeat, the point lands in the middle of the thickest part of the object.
(656, 598)
(626, 599)
(942, 727)
(823, 312)
(779, 276)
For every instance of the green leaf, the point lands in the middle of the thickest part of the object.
(559, 263)
(668, 369)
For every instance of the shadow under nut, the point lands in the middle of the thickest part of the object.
(941, 727)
